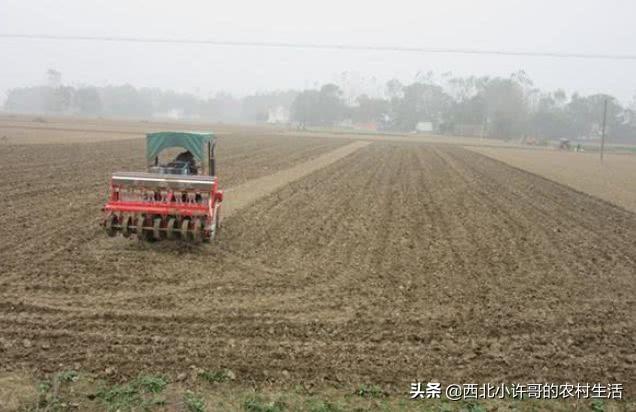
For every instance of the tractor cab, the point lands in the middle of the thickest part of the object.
(198, 157)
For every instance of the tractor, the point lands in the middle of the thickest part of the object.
(564, 144)
(179, 200)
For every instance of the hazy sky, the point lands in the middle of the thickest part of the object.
(584, 26)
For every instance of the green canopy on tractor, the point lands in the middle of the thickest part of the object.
(195, 142)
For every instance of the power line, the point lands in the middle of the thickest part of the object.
(466, 51)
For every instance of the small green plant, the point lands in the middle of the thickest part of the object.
(193, 403)
(47, 398)
(444, 406)
(137, 393)
(370, 391)
(256, 404)
(475, 407)
(152, 384)
(50, 393)
(214, 377)
(597, 405)
(323, 406)
(68, 376)
(118, 397)
(44, 386)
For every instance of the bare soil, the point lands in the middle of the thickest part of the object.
(239, 197)
(398, 262)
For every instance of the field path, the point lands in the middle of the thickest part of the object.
(241, 196)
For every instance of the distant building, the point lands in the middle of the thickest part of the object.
(278, 115)
(175, 114)
(345, 123)
(630, 117)
(424, 127)
(369, 126)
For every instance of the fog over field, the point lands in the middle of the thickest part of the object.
(590, 27)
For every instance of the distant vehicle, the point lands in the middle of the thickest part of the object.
(564, 144)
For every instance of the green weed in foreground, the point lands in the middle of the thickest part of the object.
(68, 390)
(193, 403)
(50, 396)
(214, 377)
(257, 404)
(139, 393)
(474, 407)
(597, 405)
(152, 384)
(68, 376)
(323, 406)
(370, 391)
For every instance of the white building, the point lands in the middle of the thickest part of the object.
(278, 115)
(424, 127)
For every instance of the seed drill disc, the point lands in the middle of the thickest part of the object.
(170, 230)
(156, 228)
(125, 226)
(111, 220)
(197, 231)
(140, 228)
(184, 229)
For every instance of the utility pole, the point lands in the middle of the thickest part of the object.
(603, 130)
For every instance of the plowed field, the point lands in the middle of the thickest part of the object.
(397, 262)
(52, 193)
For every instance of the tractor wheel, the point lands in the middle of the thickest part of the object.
(156, 228)
(142, 234)
(197, 230)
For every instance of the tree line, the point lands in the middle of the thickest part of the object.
(128, 101)
(497, 107)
